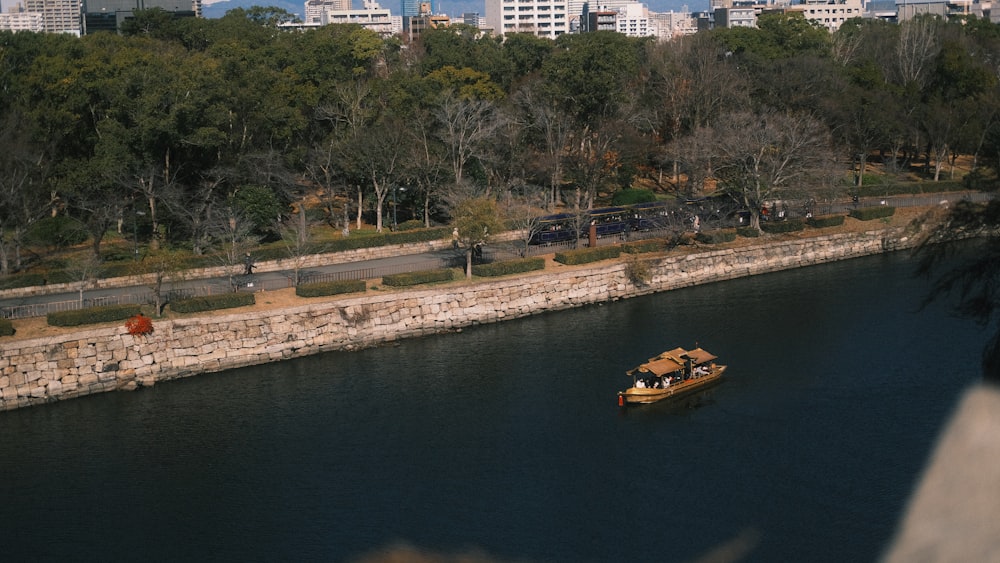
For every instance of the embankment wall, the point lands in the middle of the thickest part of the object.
(42, 370)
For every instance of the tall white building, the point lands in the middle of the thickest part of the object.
(633, 20)
(315, 9)
(58, 16)
(544, 18)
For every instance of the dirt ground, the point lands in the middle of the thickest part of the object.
(284, 298)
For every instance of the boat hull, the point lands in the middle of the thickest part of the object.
(642, 395)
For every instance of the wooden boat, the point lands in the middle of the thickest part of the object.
(672, 374)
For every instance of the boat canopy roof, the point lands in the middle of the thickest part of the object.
(673, 360)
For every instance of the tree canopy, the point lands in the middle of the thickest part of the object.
(195, 125)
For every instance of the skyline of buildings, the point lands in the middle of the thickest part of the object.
(543, 18)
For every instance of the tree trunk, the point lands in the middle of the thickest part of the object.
(360, 201)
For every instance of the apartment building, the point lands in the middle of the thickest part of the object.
(58, 16)
(829, 13)
(544, 18)
(315, 9)
(22, 21)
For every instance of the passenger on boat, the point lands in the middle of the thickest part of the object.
(640, 384)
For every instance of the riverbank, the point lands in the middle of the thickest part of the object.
(57, 366)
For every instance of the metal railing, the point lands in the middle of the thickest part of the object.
(43, 309)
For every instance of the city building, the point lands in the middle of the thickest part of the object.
(315, 8)
(373, 17)
(108, 15)
(410, 8)
(58, 16)
(674, 24)
(544, 18)
(22, 21)
(474, 19)
(736, 16)
(631, 19)
(602, 20)
(909, 9)
(829, 13)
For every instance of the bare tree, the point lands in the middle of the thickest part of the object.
(165, 267)
(522, 214)
(84, 270)
(378, 158)
(551, 129)
(426, 164)
(919, 43)
(22, 202)
(592, 160)
(763, 156)
(234, 232)
(465, 125)
(504, 160)
(295, 238)
(352, 108)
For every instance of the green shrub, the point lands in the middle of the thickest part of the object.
(587, 255)
(825, 221)
(787, 226)
(6, 327)
(508, 267)
(411, 225)
(869, 213)
(641, 246)
(57, 232)
(748, 232)
(716, 237)
(22, 280)
(417, 278)
(212, 302)
(631, 196)
(92, 315)
(321, 289)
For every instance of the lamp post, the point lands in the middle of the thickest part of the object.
(394, 208)
(135, 235)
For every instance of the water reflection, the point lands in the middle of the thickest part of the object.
(506, 440)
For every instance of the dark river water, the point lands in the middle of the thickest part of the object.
(506, 440)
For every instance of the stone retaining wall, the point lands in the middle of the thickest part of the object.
(48, 369)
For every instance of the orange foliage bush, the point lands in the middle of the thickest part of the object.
(139, 324)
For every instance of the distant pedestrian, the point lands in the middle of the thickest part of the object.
(454, 238)
(248, 265)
